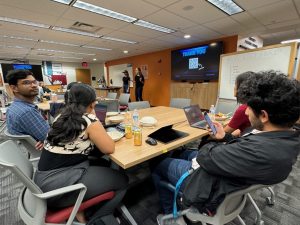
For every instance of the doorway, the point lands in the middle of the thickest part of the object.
(83, 76)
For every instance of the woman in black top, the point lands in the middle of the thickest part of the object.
(139, 84)
(126, 80)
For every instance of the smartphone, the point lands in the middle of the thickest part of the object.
(210, 124)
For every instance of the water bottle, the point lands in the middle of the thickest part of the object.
(212, 112)
(135, 118)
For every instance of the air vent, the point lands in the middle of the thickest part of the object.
(85, 27)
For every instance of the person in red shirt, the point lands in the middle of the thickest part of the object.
(239, 122)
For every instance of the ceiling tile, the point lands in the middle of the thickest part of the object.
(201, 32)
(226, 26)
(160, 3)
(252, 4)
(247, 20)
(197, 11)
(275, 13)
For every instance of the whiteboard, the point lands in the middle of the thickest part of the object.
(276, 58)
(116, 75)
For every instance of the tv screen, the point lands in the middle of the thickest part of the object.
(197, 63)
(35, 69)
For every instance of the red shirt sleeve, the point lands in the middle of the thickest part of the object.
(239, 119)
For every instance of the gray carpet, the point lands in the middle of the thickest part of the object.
(143, 201)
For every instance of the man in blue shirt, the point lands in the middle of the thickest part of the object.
(23, 116)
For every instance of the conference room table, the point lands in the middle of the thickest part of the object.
(45, 106)
(127, 154)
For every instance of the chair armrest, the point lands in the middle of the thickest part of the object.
(67, 189)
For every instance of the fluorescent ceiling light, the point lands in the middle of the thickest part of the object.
(153, 26)
(227, 6)
(117, 39)
(75, 32)
(65, 57)
(94, 47)
(23, 22)
(67, 2)
(103, 11)
(60, 51)
(289, 41)
(59, 43)
(19, 38)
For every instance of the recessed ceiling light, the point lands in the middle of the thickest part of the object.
(75, 32)
(103, 11)
(67, 2)
(125, 51)
(213, 44)
(94, 59)
(117, 39)
(228, 6)
(23, 22)
(94, 47)
(153, 26)
(187, 36)
(289, 41)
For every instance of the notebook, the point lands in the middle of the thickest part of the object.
(166, 134)
(195, 116)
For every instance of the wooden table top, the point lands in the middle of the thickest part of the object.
(45, 106)
(127, 155)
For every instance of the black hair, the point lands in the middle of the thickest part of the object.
(276, 94)
(239, 80)
(69, 86)
(69, 124)
(14, 75)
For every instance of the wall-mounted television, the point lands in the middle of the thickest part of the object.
(199, 63)
(35, 69)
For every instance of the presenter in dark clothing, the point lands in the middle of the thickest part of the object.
(126, 80)
(139, 84)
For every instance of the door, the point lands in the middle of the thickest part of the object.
(83, 76)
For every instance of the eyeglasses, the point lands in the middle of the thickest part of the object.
(29, 82)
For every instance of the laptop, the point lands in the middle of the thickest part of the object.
(166, 134)
(100, 111)
(195, 116)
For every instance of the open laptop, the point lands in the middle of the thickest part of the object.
(166, 134)
(100, 110)
(195, 116)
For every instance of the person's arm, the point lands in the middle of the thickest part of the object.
(34, 125)
(100, 138)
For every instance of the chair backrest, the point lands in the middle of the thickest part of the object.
(111, 95)
(138, 105)
(26, 141)
(32, 210)
(180, 102)
(112, 105)
(229, 209)
(226, 105)
(124, 99)
(60, 96)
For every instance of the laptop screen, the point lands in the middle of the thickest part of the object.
(166, 134)
(193, 114)
(100, 111)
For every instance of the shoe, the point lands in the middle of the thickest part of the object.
(171, 221)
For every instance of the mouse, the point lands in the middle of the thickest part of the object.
(151, 141)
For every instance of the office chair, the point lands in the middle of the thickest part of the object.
(226, 105)
(32, 203)
(180, 103)
(138, 105)
(123, 101)
(111, 95)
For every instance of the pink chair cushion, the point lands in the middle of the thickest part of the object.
(63, 214)
(123, 107)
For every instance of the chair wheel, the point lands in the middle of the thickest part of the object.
(269, 201)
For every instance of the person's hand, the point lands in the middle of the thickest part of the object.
(220, 131)
(39, 145)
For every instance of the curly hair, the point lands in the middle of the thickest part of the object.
(273, 92)
(68, 125)
(239, 80)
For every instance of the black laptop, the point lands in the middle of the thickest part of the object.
(195, 116)
(166, 134)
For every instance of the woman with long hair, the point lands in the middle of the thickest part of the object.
(64, 161)
(139, 84)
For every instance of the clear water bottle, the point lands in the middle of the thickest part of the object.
(212, 112)
(135, 118)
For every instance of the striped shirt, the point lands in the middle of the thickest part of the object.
(25, 118)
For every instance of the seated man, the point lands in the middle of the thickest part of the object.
(46, 91)
(273, 106)
(23, 116)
